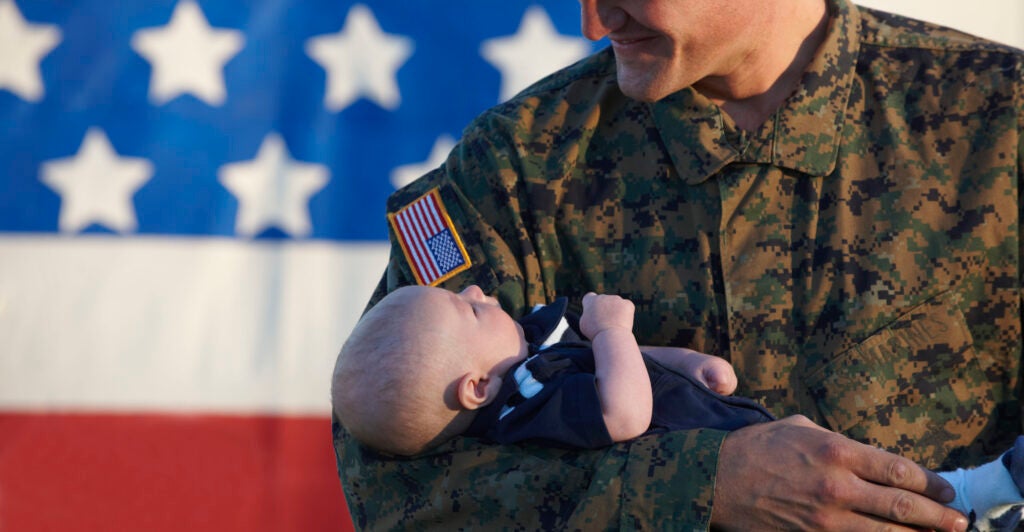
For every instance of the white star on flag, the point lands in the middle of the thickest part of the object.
(361, 61)
(273, 190)
(536, 50)
(22, 47)
(96, 185)
(187, 56)
(405, 174)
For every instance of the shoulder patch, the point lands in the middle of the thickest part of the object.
(429, 241)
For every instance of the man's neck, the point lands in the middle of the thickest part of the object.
(772, 71)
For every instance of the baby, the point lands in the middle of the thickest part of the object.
(425, 365)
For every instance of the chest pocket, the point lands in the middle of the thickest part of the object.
(916, 387)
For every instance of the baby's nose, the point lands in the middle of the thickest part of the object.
(474, 292)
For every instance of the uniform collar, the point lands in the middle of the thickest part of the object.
(803, 135)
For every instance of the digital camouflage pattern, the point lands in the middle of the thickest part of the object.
(858, 259)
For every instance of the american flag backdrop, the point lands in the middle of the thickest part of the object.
(192, 219)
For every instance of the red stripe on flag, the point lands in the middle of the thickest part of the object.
(431, 212)
(421, 234)
(417, 248)
(168, 473)
(426, 230)
(417, 229)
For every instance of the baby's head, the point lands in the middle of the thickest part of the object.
(419, 363)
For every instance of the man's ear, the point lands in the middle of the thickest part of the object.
(476, 390)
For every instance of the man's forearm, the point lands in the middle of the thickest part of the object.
(662, 481)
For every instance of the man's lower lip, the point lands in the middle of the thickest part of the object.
(632, 43)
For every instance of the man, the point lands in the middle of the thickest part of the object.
(824, 195)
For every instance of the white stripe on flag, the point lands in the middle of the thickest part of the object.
(222, 325)
(430, 213)
(422, 211)
(417, 245)
(422, 234)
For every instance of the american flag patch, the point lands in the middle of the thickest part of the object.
(428, 239)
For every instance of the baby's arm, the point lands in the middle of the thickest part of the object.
(711, 371)
(623, 386)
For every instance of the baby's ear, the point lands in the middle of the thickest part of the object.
(476, 390)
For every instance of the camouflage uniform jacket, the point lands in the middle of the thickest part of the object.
(857, 258)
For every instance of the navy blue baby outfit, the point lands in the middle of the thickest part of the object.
(551, 397)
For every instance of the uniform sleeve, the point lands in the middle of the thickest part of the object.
(1020, 217)
(481, 198)
(663, 481)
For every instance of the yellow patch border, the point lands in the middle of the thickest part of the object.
(401, 238)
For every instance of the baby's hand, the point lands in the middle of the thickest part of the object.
(714, 372)
(604, 311)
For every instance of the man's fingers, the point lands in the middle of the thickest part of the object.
(938, 489)
(907, 508)
(887, 469)
(858, 523)
(904, 492)
(887, 486)
(833, 483)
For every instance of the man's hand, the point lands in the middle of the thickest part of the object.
(792, 474)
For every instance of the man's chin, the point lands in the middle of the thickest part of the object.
(642, 89)
(643, 94)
